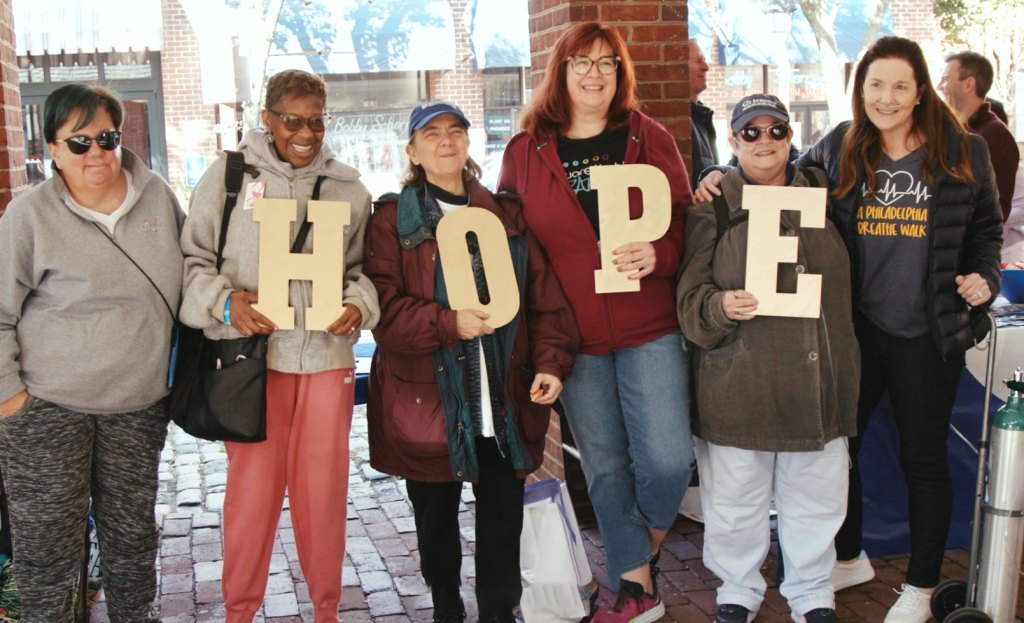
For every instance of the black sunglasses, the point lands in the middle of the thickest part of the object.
(751, 133)
(294, 123)
(78, 145)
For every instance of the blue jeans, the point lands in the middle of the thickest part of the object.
(629, 413)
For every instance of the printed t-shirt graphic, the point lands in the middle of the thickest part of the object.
(892, 223)
(578, 155)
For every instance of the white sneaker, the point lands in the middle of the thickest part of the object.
(851, 572)
(913, 606)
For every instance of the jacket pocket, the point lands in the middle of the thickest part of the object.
(416, 420)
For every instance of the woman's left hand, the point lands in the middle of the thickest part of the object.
(348, 323)
(974, 289)
(545, 388)
(637, 258)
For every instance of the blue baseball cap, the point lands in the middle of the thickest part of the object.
(423, 113)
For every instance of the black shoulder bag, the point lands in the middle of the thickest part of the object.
(219, 390)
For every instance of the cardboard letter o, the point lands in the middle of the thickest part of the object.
(495, 255)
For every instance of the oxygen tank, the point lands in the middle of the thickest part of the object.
(1003, 524)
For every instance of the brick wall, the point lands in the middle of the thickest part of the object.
(13, 179)
(189, 123)
(463, 84)
(656, 33)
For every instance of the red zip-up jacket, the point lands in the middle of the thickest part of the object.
(532, 169)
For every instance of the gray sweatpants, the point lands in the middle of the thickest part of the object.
(53, 460)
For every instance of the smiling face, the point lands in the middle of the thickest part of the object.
(298, 147)
(889, 95)
(764, 160)
(955, 91)
(441, 147)
(592, 92)
(97, 168)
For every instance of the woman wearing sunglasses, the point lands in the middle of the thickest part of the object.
(917, 208)
(310, 370)
(776, 396)
(89, 280)
(627, 401)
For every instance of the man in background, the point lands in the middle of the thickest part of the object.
(965, 82)
(703, 137)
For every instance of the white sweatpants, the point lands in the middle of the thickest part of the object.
(736, 488)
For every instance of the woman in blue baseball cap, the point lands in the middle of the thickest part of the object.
(454, 397)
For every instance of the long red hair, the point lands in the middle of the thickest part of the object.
(550, 111)
(862, 147)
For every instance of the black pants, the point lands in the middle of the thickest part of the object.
(499, 522)
(922, 389)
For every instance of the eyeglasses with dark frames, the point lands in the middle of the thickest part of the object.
(294, 123)
(751, 133)
(606, 65)
(80, 144)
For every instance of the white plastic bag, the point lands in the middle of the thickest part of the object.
(554, 565)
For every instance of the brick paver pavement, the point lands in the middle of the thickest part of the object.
(381, 574)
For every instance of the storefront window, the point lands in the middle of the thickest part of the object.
(369, 123)
(503, 100)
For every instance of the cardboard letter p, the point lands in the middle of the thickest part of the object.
(612, 184)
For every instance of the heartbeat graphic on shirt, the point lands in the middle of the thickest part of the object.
(896, 187)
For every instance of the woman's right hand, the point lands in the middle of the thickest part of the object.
(469, 324)
(244, 318)
(739, 305)
(709, 187)
(13, 404)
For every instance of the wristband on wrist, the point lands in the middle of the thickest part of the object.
(227, 310)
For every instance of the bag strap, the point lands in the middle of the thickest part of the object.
(722, 219)
(233, 175)
(136, 264)
(300, 237)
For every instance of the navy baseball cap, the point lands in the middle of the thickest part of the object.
(423, 113)
(753, 106)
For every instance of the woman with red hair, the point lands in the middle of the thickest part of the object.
(627, 401)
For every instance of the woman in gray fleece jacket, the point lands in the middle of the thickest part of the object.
(84, 347)
(310, 378)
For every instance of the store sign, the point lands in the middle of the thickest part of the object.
(498, 125)
(369, 123)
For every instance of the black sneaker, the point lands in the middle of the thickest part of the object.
(818, 615)
(732, 613)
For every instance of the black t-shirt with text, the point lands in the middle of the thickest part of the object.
(579, 154)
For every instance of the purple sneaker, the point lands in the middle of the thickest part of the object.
(633, 605)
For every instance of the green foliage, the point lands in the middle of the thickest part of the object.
(973, 23)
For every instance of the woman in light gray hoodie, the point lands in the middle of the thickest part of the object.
(89, 284)
(310, 377)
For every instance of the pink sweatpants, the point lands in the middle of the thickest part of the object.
(309, 417)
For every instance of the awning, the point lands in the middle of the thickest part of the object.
(347, 37)
(53, 26)
(746, 35)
